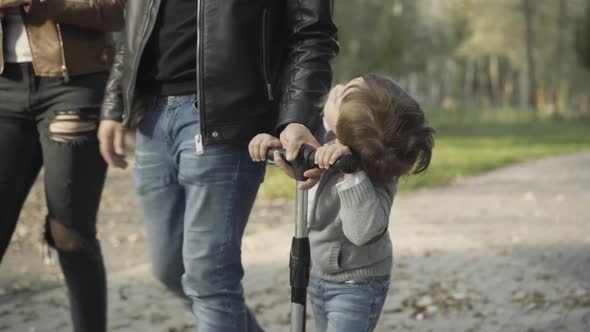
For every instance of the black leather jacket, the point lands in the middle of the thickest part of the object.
(261, 64)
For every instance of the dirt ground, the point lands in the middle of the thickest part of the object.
(505, 251)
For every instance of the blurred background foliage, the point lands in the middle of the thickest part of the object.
(465, 53)
(502, 81)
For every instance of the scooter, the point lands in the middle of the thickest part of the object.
(299, 260)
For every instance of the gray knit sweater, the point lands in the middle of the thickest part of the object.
(345, 218)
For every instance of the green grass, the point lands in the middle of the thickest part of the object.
(468, 143)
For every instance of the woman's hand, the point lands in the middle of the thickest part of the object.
(328, 154)
(260, 144)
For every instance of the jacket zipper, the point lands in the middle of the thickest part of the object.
(33, 62)
(200, 137)
(2, 48)
(267, 83)
(64, 67)
(138, 57)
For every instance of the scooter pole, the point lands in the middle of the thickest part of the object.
(300, 260)
(299, 264)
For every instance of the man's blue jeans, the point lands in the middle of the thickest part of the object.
(195, 209)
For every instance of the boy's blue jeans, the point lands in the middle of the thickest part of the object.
(195, 208)
(353, 306)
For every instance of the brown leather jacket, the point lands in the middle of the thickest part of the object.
(69, 37)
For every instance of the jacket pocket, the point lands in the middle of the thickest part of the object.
(264, 40)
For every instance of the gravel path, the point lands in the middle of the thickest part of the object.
(505, 251)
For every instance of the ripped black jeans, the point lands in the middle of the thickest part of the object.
(52, 123)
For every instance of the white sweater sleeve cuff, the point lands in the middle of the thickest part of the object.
(355, 190)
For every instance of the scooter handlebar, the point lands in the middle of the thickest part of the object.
(306, 160)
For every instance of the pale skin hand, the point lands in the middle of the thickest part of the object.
(13, 3)
(313, 174)
(111, 136)
(292, 137)
(4, 5)
(262, 142)
(295, 135)
(327, 155)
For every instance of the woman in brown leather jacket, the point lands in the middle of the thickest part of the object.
(54, 65)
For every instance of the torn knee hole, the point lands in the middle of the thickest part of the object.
(63, 238)
(72, 126)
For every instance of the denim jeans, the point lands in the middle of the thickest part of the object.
(195, 208)
(47, 122)
(353, 305)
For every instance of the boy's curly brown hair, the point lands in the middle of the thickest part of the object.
(386, 129)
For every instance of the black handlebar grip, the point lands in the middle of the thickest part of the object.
(306, 160)
(270, 154)
(347, 164)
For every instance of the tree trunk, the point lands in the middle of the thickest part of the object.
(468, 79)
(480, 71)
(509, 86)
(558, 56)
(494, 73)
(434, 88)
(413, 84)
(528, 9)
(523, 88)
(448, 81)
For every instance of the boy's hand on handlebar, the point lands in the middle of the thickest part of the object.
(328, 154)
(260, 144)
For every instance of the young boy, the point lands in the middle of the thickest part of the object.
(375, 120)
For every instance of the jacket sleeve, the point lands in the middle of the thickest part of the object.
(12, 3)
(307, 76)
(102, 15)
(364, 208)
(112, 104)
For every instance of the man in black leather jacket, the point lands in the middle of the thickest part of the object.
(199, 79)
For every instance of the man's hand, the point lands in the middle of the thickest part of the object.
(13, 3)
(260, 144)
(111, 136)
(313, 174)
(295, 135)
(292, 137)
